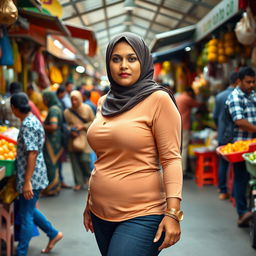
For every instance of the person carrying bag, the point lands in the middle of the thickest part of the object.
(79, 117)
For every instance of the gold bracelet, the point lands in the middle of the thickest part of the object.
(172, 216)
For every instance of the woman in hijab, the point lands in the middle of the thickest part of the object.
(79, 118)
(53, 148)
(131, 204)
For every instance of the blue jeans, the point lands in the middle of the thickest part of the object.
(241, 179)
(131, 237)
(222, 175)
(29, 215)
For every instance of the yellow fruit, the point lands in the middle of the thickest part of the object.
(213, 42)
(212, 57)
(229, 51)
(2, 157)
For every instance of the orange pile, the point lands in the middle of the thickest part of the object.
(7, 150)
(238, 146)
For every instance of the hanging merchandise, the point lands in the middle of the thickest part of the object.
(246, 28)
(253, 57)
(39, 67)
(17, 66)
(8, 12)
(55, 75)
(6, 48)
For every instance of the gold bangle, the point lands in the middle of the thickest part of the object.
(172, 216)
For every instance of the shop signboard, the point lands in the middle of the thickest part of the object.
(217, 16)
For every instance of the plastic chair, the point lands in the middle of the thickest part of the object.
(206, 168)
(7, 227)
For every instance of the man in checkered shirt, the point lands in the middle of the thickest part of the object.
(242, 107)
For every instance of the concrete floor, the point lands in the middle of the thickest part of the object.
(209, 227)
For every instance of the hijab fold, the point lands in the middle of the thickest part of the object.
(123, 98)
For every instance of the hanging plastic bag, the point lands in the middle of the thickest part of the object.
(7, 57)
(8, 12)
(246, 28)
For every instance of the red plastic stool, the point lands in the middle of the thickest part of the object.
(206, 168)
(7, 227)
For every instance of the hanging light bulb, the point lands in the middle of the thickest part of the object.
(128, 19)
(129, 5)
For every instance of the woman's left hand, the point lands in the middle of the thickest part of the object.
(27, 190)
(171, 227)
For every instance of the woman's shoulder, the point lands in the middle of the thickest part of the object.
(159, 96)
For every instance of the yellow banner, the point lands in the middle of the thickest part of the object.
(53, 6)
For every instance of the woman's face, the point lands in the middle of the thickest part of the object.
(124, 65)
(75, 102)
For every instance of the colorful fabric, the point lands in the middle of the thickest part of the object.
(31, 138)
(242, 106)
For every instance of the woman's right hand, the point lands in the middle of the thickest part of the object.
(88, 220)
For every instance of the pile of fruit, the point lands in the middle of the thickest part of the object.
(252, 156)
(3, 129)
(238, 146)
(7, 150)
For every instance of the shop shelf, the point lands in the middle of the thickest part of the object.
(9, 166)
(250, 165)
(236, 156)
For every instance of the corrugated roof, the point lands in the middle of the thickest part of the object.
(149, 17)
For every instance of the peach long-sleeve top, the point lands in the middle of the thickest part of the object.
(127, 181)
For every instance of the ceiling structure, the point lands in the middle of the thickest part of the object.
(147, 18)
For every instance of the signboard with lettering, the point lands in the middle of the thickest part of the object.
(217, 16)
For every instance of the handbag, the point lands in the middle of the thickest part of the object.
(78, 142)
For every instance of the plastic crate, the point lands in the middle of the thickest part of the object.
(250, 165)
(9, 166)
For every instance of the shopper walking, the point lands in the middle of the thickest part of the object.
(79, 118)
(242, 107)
(53, 148)
(31, 175)
(186, 102)
(132, 207)
(218, 115)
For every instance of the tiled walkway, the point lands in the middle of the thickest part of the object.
(209, 227)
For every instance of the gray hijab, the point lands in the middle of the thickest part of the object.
(120, 98)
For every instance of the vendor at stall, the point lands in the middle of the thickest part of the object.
(242, 107)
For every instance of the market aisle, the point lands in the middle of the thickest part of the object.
(208, 228)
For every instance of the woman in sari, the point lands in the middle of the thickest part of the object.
(52, 148)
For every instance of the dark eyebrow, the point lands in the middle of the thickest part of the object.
(117, 55)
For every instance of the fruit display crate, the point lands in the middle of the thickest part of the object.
(9, 166)
(235, 156)
(8, 139)
(250, 164)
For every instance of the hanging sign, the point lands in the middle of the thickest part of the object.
(53, 6)
(217, 16)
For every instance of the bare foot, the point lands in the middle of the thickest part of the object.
(52, 242)
(77, 187)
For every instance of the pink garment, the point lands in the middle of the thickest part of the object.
(35, 111)
(185, 104)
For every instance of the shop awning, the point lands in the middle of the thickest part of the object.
(173, 37)
(85, 34)
(52, 23)
(173, 53)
